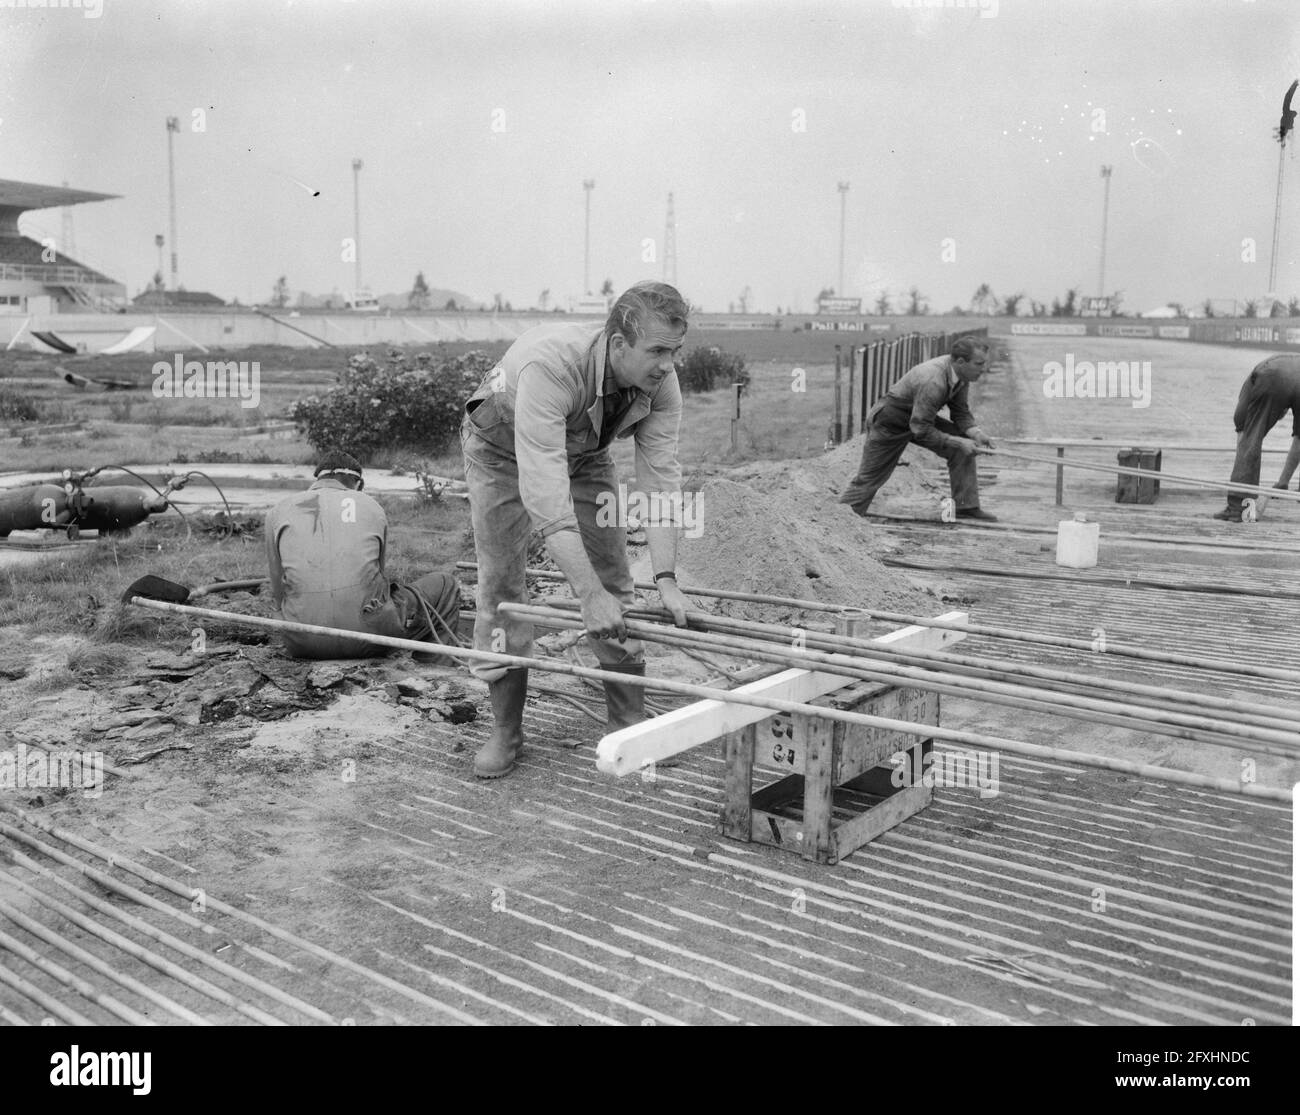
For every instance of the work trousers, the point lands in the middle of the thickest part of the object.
(888, 435)
(1259, 409)
(426, 610)
(502, 529)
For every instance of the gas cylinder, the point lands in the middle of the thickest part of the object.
(41, 505)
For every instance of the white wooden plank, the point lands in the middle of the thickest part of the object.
(629, 749)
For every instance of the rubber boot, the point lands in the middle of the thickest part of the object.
(625, 704)
(499, 755)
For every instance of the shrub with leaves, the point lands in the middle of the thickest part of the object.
(706, 369)
(414, 401)
(16, 407)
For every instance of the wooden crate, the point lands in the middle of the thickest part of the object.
(842, 790)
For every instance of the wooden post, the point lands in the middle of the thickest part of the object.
(848, 415)
(738, 761)
(735, 419)
(1060, 477)
(815, 738)
(838, 426)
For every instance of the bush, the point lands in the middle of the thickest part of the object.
(705, 369)
(414, 402)
(19, 408)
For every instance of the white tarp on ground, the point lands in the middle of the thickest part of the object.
(134, 339)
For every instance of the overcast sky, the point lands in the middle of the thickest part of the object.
(969, 134)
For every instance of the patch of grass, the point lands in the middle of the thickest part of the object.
(97, 660)
(51, 681)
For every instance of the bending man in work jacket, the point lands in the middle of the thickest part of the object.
(909, 413)
(1271, 389)
(326, 548)
(535, 437)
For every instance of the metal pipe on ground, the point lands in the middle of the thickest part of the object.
(95, 964)
(85, 989)
(1120, 650)
(931, 731)
(144, 928)
(1124, 470)
(1125, 715)
(51, 1005)
(157, 962)
(1246, 712)
(700, 692)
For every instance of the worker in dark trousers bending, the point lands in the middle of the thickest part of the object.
(536, 437)
(909, 413)
(326, 548)
(1271, 389)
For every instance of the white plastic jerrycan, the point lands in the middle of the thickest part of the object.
(1076, 542)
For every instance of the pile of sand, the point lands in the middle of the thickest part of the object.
(790, 539)
(910, 491)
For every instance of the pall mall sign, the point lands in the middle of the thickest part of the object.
(827, 305)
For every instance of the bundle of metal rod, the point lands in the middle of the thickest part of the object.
(1120, 650)
(1124, 470)
(1248, 712)
(1160, 721)
(700, 692)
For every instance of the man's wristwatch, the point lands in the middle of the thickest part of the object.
(661, 576)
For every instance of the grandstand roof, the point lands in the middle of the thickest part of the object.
(30, 195)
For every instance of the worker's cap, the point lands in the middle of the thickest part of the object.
(337, 463)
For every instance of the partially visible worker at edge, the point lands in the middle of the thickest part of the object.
(1271, 389)
(326, 548)
(536, 438)
(909, 413)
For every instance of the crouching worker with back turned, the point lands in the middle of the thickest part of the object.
(909, 413)
(536, 438)
(326, 548)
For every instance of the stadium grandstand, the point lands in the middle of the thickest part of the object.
(32, 272)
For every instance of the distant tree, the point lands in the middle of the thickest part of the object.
(1037, 308)
(509, 308)
(983, 301)
(825, 292)
(882, 303)
(957, 311)
(607, 288)
(497, 303)
(544, 299)
(1208, 308)
(418, 299)
(917, 303)
(1252, 309)
(157, 281)
(1277, 309)
(1178, 308)
(745, 297)
(1116, 302)
(280, 294)
(451, 304)
(1011, 304)
(1293, 307)
(778, 310)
